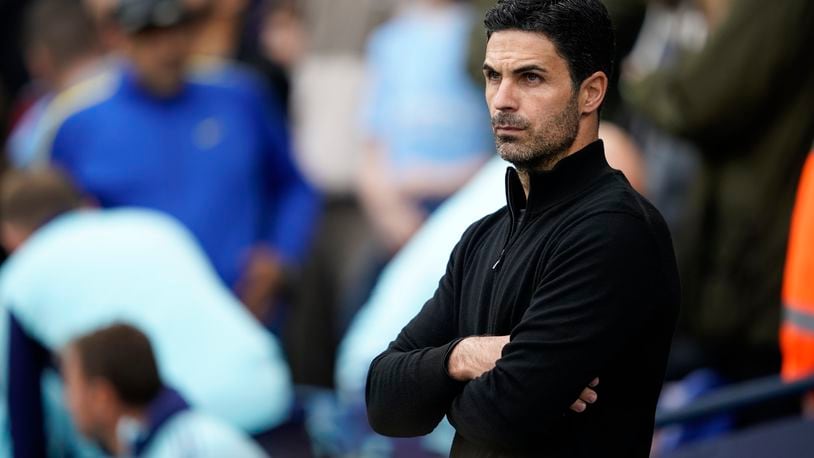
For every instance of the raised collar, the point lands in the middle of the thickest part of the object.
(569, 176)
(167, 405)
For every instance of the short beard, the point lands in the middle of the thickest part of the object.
(546, 146)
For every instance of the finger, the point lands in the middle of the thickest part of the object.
(594, 382)
(579, 406)
(588, 395)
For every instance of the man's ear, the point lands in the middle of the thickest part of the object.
(103, 393)
(12, 236)
(592, 92)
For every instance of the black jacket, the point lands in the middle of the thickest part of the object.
(586, 284)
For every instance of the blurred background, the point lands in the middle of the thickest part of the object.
(284, 181)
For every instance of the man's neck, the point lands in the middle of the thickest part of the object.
(159, 91)
(525, 174)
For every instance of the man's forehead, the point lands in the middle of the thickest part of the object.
(518, 48)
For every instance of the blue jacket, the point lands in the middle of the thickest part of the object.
(215, 156)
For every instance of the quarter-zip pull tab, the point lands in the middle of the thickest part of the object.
(499, 259)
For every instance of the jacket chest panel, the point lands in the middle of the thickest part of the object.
(495, 297)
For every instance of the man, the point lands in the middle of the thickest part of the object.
(72, 271)
(574, 279)
(116, 398)
(206, 151)
(412, 275)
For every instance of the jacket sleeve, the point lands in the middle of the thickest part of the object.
(27, 360)
(589, 303)
(408, 388)
(292, 204)
(700, 100)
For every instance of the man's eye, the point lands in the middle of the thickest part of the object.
(494, 76)
(533, 78)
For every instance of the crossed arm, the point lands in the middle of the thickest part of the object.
(474, 356)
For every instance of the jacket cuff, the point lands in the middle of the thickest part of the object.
(447, 352)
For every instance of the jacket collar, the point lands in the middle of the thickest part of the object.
(167, 405)
(569, 177)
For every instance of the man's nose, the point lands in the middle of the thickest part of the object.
(506, 98)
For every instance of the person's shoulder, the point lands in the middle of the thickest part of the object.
(28, 267)
(195, 433)
(215, 74)
(151, 226)
(613, 216)
(138, 216)
(613, 195)
(235, 84)
(83, 97)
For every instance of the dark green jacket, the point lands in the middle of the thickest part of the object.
(747, 101)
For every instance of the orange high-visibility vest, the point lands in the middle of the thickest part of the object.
(797, 329)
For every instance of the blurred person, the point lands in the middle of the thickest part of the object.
(218, 45)
(745, 103)
(424, 133)
(426, 126)
(797, 327)
(200, 147)
(575, 278)
(282, 43)
(671, 29)
(624, 154)
(74, 269)
(327, 83)
(61, 50)
(116, 398)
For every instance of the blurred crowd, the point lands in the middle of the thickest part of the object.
(216, 213)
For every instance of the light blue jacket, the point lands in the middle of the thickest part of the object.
(87, 269)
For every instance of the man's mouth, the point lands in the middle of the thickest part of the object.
(508, 128)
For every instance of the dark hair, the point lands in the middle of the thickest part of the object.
(122, 355)
(32, 198)
(581, 30)
(63, 27)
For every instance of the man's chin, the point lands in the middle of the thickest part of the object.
(510, 153)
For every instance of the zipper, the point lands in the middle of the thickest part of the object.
(511, 239)
(506, 242)
(499, 258)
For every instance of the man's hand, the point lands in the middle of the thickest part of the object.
(474, 356)
(260, 281)
(588, 396)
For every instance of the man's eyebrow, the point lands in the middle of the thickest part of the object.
(529, 68)
(519, 70)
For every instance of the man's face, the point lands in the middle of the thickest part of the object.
(160, 57)
(531, 98)
(82, 397)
